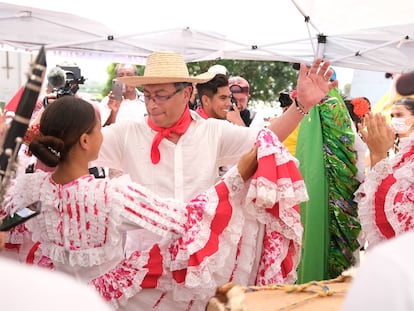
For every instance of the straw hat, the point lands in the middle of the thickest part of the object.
(165, 67)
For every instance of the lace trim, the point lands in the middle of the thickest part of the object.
(199, 283)
(124, 281)
(398, 200)
(248, 219)
(266, 194)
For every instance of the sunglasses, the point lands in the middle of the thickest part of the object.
(235, 89)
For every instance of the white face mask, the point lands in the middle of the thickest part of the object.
(399, 125)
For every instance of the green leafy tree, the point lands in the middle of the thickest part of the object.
(266, 78)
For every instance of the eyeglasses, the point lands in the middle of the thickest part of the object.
(235, 89)
(159, 98)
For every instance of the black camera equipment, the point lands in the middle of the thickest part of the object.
(65, 80)
(73, 79)
(284, 99)
(233, 101)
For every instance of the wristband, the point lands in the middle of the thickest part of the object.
(299, 108)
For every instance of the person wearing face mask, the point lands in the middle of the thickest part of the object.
(386, 196)
(402, 121)
(384, 281)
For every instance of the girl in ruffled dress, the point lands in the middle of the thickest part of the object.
(202, 244)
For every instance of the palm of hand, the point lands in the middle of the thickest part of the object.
(314, 83)
(378, 135)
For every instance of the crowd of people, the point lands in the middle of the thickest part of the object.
(174, 225)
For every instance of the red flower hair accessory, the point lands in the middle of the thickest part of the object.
(361, 106)
(32, 132)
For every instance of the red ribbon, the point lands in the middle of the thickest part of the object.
(180, 127)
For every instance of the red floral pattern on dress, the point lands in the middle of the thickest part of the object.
(32, 132)
(216, 232)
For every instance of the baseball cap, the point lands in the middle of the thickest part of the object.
(239, 85)
(218, 69)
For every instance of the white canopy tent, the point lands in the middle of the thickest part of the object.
(372, 34)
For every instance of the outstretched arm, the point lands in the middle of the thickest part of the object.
(313, 84)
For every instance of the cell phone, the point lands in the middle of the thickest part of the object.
(20, 216)
(117, 88)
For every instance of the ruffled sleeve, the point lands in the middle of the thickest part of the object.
(21, 193)
(139, 206)
(186, 261)
(273, 197)
(219, 241)
(386, 198)
(223, 247)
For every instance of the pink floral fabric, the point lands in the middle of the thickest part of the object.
(245, 232)
(385, 198)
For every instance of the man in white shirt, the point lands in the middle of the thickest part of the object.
(185, 163)
(176, 153)
(132, 106)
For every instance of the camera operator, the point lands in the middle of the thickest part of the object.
(240, 90)
(285, 99)
(62, 81)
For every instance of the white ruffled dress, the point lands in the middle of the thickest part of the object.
(246, 232)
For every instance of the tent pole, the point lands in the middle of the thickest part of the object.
(360, 53)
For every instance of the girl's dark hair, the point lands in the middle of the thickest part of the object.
(408, 102)
(61, 125)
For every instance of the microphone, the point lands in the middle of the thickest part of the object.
(56, 77)
(405, 84)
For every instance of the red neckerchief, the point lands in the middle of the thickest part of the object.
(178, 128)
(202, 113)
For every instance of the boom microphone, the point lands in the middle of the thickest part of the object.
(56, 77)
(405, 84)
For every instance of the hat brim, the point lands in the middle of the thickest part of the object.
(143, 80)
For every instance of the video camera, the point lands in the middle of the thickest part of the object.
(284, 99)
(73, 79)
(64, 80)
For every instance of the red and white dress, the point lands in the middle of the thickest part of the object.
(386, 197)
(245, 232)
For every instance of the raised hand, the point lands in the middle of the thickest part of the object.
(113, 104)
(313, 83)
(378, 136)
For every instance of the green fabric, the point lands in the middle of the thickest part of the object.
(309, 152)
(325, 150)
(341, 170)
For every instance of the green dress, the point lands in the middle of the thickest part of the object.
(328, 166)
